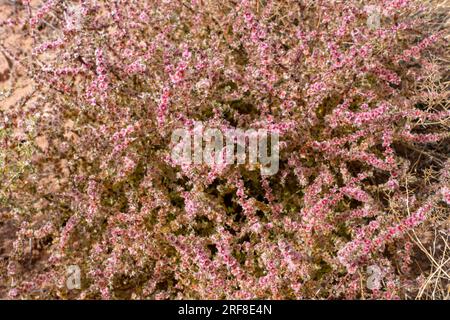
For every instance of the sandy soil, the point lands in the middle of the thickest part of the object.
(12, 75)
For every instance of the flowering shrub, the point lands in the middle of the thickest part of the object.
(360, 110)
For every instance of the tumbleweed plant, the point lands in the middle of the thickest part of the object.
(357, 91)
